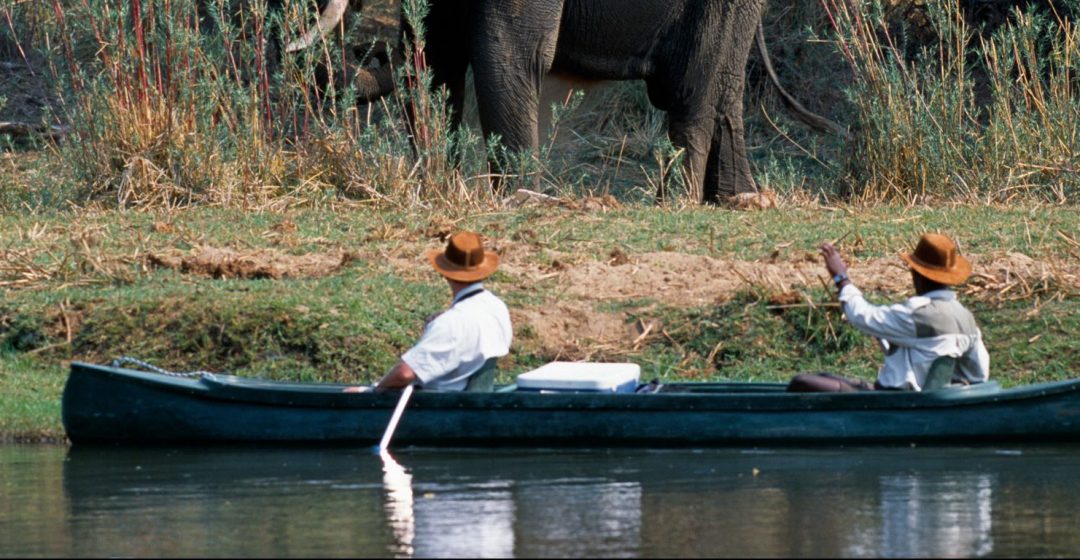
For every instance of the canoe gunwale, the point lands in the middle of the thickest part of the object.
(319, 395)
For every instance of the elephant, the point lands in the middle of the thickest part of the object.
(691, 55)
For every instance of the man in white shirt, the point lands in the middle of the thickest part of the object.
(457, 342)
(914, 334)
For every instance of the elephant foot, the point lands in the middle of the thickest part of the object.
(762, 200)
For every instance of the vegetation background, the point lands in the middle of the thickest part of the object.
(176, 189)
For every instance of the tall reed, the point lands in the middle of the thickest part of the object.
(922, 129)
(193, 102)
(175, 102)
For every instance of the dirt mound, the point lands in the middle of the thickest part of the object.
(220, 262)
(680, 279)
(573, 331)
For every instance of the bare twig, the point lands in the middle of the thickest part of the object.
(54, 132)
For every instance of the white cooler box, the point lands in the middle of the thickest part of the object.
(592, 377)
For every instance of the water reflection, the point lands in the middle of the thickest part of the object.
(225, 502)
(506, 518)
(580, 518)
(948, 517)
(399, 505)
(561, 503)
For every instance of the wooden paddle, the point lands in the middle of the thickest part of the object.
(384, 444)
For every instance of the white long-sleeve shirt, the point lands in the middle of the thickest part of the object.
(917, 332)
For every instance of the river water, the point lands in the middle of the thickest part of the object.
(872, 501)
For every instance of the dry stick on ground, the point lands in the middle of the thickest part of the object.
(673, 341)
(644, 333)
(20, 129)
(842, 237)
(810, 305)
(715, 350)
(64, 318)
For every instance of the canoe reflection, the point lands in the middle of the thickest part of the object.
(610, 503)
(911, 515)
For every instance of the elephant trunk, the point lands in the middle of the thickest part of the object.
(328, 20)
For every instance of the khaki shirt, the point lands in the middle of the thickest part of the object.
(917, 332)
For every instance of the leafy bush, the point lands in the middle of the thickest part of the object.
(974, 117)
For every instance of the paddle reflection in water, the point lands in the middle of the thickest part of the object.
(529, 516)
(399, 504)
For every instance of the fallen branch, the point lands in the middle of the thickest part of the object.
(54, 132)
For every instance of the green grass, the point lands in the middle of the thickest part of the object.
(334, 329)
(29, 398)
(874, 231)
(352, 325)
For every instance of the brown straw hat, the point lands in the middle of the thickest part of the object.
(936, 258)
(464, 259)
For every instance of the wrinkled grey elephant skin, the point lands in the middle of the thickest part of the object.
(691, 54)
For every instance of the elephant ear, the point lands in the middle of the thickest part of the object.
(328, 20)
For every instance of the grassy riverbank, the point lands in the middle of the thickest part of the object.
(202, 206)
(337, 294)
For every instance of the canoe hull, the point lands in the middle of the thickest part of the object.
(110, 405)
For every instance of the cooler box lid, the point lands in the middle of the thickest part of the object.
(581, 376)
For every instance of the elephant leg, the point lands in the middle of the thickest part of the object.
(453, 79)
(447, 50)
(693, 134)
(508, 99)
(728, 171)
(513, 49)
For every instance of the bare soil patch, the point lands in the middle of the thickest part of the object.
(220, 262)
(573, 331)
(678, 279)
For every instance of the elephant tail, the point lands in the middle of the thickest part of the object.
(811, 119)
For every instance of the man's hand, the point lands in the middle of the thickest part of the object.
(833, 262)
(357, 389)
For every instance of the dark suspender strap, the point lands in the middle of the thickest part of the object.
(467, 296)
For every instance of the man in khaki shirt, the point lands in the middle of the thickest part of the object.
(914, 333)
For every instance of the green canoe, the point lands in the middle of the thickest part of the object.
(113, 405)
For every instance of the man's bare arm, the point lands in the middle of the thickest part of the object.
(399, 376)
